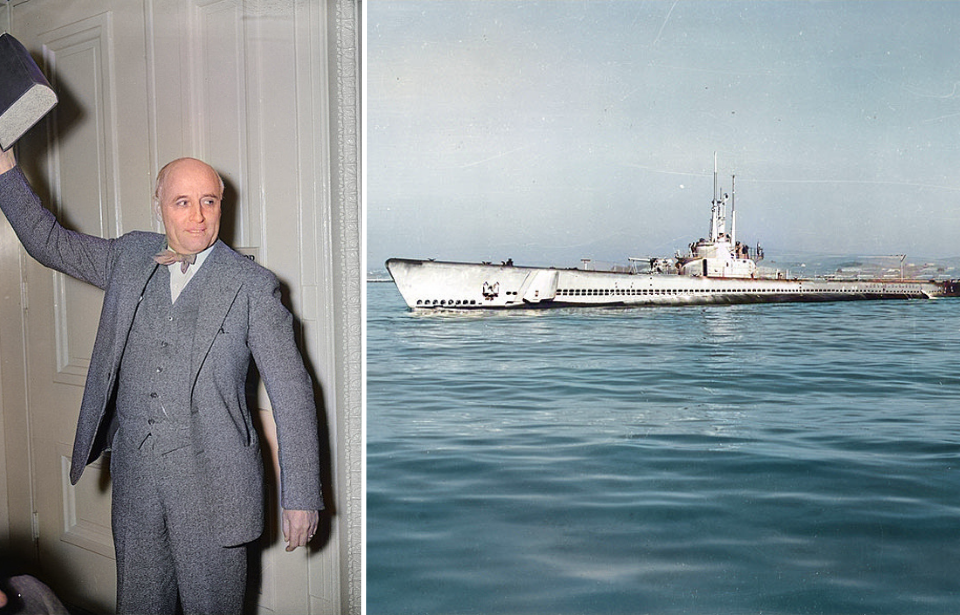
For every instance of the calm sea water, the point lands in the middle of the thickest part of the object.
(735, 459)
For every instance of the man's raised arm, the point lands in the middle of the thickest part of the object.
(76, 254)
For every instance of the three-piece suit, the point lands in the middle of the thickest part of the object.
(166, 386)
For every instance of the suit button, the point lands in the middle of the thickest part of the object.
(153, 395)
(159, 369)
(151, 422)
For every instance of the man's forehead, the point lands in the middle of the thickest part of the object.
(188, 172)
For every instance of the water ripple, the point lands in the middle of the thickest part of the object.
(737, 459)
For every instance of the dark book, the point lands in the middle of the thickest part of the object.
(25, 94)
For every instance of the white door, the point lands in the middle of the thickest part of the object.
(93, 53)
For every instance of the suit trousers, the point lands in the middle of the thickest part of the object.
(166, 542)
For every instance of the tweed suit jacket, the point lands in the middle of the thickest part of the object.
(241, 317)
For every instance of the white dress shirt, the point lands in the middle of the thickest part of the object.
(179, 279)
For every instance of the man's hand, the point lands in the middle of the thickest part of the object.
(299, 526)
(7, 161)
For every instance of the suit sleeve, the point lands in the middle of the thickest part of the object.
(290, 388)
(82, 256)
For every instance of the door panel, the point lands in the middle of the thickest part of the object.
(77, 171)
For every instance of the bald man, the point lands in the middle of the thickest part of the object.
(182, 317)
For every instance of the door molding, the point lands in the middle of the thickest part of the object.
(351, 277)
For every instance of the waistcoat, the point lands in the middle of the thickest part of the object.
(154, 384)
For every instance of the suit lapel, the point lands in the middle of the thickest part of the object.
(218, 290)
(130, 294)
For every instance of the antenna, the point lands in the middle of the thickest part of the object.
(714, 177)
(733, 209)
(715, 211)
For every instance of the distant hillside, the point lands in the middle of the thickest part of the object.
(378, 275)
(812, 265)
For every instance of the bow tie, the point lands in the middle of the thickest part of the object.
(169, 257)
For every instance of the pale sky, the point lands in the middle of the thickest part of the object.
(550, 131)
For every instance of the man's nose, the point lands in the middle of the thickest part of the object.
(196, 212)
